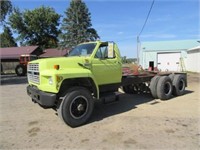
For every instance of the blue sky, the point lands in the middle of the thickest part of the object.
(121, 21)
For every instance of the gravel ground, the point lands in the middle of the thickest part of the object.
(134, 122)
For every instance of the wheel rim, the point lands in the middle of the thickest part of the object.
(20, 70)
(167, 88)
(181, 85)
(78, 107)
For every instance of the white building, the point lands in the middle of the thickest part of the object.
(193, 59)
(170, 55)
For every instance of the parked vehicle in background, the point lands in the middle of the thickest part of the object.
(21, 68)
(93, 70)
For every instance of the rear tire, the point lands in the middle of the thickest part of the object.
(153, 86)
(179, 85)
(20, 70)
(76, 107)
(164, 88)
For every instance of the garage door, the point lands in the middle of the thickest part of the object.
(168, 61)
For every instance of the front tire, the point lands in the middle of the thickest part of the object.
(20, 70)
(76, 107)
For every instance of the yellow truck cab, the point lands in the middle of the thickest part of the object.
(89, 69)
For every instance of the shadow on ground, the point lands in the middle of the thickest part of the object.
(13, 79)
(125, 103)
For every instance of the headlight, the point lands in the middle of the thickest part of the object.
(50, 80)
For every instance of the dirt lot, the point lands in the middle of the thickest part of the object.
(134, 122)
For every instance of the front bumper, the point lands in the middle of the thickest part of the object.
(43, 98)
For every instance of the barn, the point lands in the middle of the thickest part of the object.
(53, 52)
(167, 55)
(13, 53)
(10, 56)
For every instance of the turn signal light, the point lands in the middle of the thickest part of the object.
(57, 67)
(59, 78)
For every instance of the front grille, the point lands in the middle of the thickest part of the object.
(33, 73)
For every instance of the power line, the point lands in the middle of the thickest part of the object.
(147, 17)
(138, 39)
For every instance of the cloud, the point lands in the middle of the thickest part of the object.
(120, 33)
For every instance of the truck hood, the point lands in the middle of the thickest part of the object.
(63, 62)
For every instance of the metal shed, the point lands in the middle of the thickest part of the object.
(193, 59)
(166, 55)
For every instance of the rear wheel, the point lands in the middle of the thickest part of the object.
(153, 86)
(179, 84)
(20, 70)
(76, 107)
(164, 88)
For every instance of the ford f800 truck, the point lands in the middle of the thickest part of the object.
(92, 71)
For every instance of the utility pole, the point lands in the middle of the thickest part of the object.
(138, 50)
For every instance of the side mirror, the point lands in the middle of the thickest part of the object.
(110, 50)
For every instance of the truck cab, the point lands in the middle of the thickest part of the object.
(90, 68)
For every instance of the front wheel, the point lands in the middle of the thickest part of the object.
(20, 70)
(76, 107)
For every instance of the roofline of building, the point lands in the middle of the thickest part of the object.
(173, 50)
(197, 40)
(194, 48)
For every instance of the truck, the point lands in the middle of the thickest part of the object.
(93, 71)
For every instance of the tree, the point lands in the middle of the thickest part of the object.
(36, 27)
(7, 39)
(6, 7)
(77, 25)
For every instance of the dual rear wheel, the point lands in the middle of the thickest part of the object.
(163, 87)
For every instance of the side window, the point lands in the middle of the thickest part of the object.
(22, 59)
(27, 58)
(102, 52)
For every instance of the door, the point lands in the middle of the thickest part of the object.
(168, 61)
(151, 65)
(106, 70)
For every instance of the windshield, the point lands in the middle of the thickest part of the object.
(82, 50)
